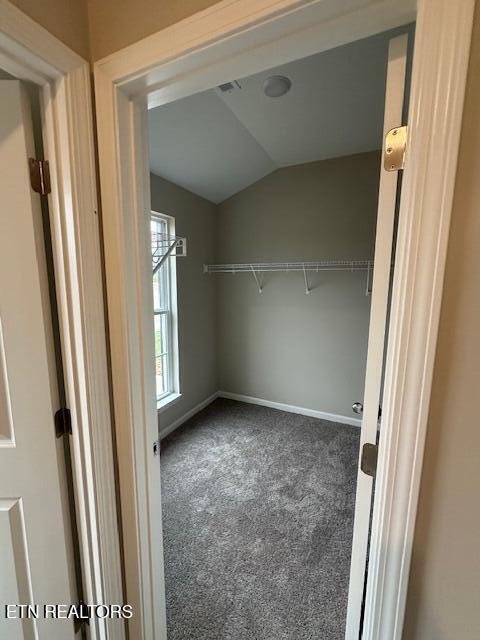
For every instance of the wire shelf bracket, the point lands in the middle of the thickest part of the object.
(258, 279)
(165, 246)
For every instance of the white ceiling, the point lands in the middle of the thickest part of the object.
(216, 144)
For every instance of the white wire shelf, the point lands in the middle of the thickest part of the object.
(257, 268)
(320, 265)
(163, 246)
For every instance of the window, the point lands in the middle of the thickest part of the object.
(165, 313)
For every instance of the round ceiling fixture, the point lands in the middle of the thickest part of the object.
(277, 86)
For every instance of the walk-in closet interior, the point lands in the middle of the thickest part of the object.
(264, 198)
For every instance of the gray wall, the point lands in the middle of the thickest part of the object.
(194, 219)
(283, 345)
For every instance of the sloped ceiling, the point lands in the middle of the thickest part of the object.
(201, 145)
(217, 143)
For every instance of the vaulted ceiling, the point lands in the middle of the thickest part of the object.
(217, 142)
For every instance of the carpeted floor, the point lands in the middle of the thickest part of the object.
(258, 515)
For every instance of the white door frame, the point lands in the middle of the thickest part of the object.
(31, 53)
(235, 38)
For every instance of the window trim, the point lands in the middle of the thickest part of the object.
(173, 376)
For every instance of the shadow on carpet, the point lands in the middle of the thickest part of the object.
(258, 511)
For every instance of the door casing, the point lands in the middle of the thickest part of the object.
(234, 39)
(30, 53)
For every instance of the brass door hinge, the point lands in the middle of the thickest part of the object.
(368, 463)
(395, 147)
(40, 176)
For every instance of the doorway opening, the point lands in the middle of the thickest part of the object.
(272, 181)
(233, 40)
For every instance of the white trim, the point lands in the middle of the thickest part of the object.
(31, 53)
(173, 373)
(128, 269)
(167, 401)
(292, 408)
(186, 416)
(232, 39)
(377, 332)
(439, 73)
(28, 50)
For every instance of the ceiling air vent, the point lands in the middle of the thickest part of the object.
(228, 87)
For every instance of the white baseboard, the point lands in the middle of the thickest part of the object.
(186, 416)
(291, 408)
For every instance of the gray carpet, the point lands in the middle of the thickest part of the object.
(258, 516)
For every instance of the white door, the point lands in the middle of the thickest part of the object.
(35, 540)
(395, 89)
